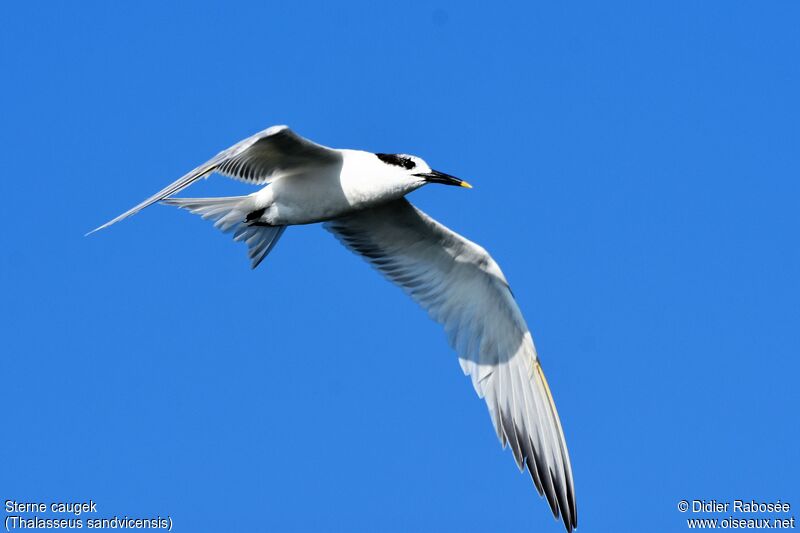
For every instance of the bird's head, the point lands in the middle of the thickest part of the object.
(417, 170)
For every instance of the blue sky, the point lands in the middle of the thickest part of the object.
(636, 173)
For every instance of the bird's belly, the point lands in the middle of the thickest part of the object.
(307, 199)
(310, 199)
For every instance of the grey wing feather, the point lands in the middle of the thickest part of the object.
(462, 288)
(275, 151)
(257, 160)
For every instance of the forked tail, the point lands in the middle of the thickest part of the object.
(230, 214)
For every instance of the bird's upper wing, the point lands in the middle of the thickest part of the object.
(462, 288)
(274, 152)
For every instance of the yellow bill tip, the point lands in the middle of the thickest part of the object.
(465, 184)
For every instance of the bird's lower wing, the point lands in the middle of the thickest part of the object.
(256, 160)
(462, 288)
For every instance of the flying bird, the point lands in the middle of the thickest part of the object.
(360, 197)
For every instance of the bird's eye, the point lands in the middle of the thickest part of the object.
(397, 160)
